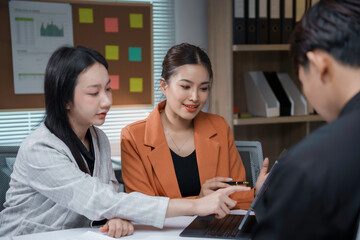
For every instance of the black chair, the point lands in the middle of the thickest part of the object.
(7, 160)
(252, 157)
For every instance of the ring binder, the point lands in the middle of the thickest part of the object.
(239, 27)
(275, 31)
(262, 27)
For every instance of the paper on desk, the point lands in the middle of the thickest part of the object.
(90, 236)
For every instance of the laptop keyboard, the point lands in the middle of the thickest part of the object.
(225, 227)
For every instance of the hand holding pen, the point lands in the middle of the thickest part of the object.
(213, 184)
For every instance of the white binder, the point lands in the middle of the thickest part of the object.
(298, 102)
(260, 98)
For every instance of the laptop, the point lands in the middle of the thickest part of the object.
(232, 226)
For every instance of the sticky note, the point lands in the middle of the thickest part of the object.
(136, 84)
(114, 81)
(111, 24)
(86, 15)
(135, 54)
(136, 20)
(112, 52)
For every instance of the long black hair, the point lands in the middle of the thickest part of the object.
(61, 75)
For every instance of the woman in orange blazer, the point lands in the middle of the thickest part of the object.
(178, 150)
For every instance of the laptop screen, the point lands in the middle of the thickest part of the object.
(258, 195)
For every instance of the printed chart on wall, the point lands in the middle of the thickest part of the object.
(37, 29)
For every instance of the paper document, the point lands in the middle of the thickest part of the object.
(37, 30)
(90, 236)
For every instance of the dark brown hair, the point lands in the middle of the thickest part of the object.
(183, 54)
(332, 26)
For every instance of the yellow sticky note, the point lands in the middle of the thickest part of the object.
(86, 15)
(136, 84)
(112, 52)
(136, 20)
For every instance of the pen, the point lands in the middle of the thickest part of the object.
(237, 183)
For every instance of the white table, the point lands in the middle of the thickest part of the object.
(172, 228)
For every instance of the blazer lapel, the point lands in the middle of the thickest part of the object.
(207, 150)
(160, 156)
(161, 161)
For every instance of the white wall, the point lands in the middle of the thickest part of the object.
(191, 22)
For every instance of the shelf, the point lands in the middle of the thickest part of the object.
(274, 120)
(261, 47)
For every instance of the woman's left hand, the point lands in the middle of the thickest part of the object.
(117, 227)
(213, 184)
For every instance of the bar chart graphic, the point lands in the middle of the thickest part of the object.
(51, 30)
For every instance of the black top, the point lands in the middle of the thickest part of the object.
(88, 156)
(315, 193)
(187, 174)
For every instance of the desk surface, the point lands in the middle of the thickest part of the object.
(172, 228)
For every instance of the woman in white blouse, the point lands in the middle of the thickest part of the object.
(63, 177)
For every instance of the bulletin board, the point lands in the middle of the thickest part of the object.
(121, 32)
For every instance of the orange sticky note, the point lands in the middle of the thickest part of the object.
(111, 24)
(114, 81)
(136, 85)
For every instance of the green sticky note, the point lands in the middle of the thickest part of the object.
(112, 52)
(135, 54)
(86, 15)
(136, 20)
(136, 84)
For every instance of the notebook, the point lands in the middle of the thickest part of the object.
(231, 226)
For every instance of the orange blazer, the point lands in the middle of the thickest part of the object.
(147, 165)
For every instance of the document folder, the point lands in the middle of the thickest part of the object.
(262, 27)
(298, 102)
(280, 94)
(313, 2)
(275, 31)
(287, 20)
(300, 9)
(251, 22)
(261, 101)
(239, 27)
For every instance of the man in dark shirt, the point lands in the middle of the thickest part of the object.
(315, 191)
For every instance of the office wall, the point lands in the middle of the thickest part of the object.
(191, 22)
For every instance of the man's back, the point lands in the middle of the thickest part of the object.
(315, 193)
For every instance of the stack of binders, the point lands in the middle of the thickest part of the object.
(271, 94)
(266, 21)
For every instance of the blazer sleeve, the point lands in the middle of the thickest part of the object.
(51, 171)
(133, 171)
(237, 173)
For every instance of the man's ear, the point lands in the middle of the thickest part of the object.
(321, 62)
(68, 106)
(163, 85)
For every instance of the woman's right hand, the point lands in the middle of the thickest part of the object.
(213, 184)
(218, 202)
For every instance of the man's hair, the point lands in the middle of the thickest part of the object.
(332, 26)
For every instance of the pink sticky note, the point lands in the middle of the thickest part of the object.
(114, 81)
(111, 24)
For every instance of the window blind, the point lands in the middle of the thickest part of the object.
(15, 126)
